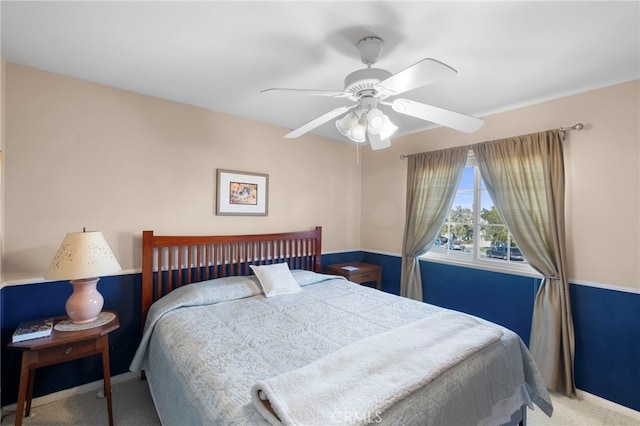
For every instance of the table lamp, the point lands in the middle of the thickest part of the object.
(82, 258)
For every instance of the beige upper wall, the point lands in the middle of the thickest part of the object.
(602, 179)
(2, 132)
(80, 154)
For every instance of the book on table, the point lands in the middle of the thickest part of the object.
(35, 329)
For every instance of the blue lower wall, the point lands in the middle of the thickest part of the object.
(607, 323)
(607, 328)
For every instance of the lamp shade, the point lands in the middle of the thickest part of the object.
(82, 255)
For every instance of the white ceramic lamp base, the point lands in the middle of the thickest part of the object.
(86, 302)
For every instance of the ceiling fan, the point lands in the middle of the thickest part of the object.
(370, 87)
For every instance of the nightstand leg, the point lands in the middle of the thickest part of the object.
(25, 376)
(32, 378)
(107, 376)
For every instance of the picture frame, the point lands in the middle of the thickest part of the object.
(241, 193)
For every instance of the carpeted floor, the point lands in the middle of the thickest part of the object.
(133, 406)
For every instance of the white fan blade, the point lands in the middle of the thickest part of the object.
(378, 143)
(420, 74)
(318, 121)
(445, 117)
(329, 93)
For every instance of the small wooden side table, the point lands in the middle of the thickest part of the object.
(62, 346)
(365, 272)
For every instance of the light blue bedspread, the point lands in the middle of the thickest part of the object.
(205, 345)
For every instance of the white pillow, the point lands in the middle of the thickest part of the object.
(276, 279)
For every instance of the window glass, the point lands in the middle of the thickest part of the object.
(474, 231)
(456, 235)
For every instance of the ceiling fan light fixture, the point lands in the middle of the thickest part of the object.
(375, 120)
(356, 126)
(379, 124)
(359, 133)
(353, 127)
(377, 142)
(388, 129)
(346, 124)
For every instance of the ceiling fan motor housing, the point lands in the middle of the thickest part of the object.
(364, 79)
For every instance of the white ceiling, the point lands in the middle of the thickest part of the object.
(220, 55)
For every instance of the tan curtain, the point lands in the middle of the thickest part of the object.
(525, 177)
(432, 182)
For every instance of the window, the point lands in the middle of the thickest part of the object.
(474, 232)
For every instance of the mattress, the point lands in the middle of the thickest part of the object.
(206, 344)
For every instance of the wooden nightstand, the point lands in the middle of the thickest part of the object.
(365, 273)
(62, 346)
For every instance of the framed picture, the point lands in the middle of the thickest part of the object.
(242, 193)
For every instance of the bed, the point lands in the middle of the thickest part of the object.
(290, 345)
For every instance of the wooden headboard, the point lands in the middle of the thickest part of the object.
(169, 262)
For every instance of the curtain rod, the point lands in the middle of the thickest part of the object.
(577, 127)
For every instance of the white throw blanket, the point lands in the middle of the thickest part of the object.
(357, 383)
